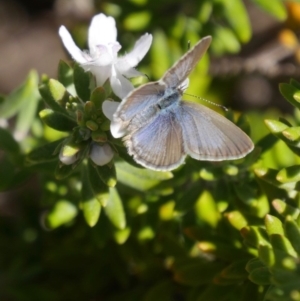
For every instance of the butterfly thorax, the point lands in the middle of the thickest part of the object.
(170, 97)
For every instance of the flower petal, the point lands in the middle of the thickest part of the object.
(120, 85)
(109, 108)
(101, 154)
(102, 73)
(68, 42)
(141, 47)
(102, 31)
(117, 128)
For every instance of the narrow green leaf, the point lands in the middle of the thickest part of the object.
(8, 143)
(284, 209)
(62, 213)
(90, 206)
(121, 236)
(273, 225)
(44, 153)
(198, 273)
(292, 232)
(55, 95)
(107, 174)
(254, 236)
(101, 190)
(114, 209)
(240, 23)
(288, 91)
(281, 243)
(15, 101)
(274, 7)
(27, 114)
(236, 219)
(57, 121)
(224, 41)
(65, 75)
(138, 178)
(260, 276)
(295, 83)
(82, 83)
(289, 174)
(254, 264)
(235, 270)
(266, 255)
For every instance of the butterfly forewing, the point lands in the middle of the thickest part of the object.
(181, 69)
(139, 100)
(208, 135)
(159, 144)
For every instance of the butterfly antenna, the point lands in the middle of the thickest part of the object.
(212, 103)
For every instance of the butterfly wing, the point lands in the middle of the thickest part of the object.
(159, 144)
(208, 135)
(182, 68)
(149, 94)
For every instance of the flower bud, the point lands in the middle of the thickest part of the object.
(101, 154)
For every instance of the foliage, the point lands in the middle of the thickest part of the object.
(206, 231)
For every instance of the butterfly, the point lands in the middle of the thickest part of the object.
(161, 129)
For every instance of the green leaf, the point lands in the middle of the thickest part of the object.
(19, 97)
(101, 190)
(236, 219)
(284, 209)
(90, 206)
(55, 95)
(260, 276)
(236, 270)
(63, 171)
(224, 41)
(27, 114)
(44, 153)
(98, 96)
(57, 121)
(114, 209)
(197, 273)
(65, 76)
(289, 174)
(292, 232)
(107, 174)
(8, 143)
(275, 7)
(254, 236)
(273, 225)
(138, 178)
(289, 92)
(266, 255)
(240, 23)
(62, 213)
(253, 264)
(281, 243)
(82, 83)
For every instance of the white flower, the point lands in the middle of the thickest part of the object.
(102, 58)
(109, 108)
(101, 154)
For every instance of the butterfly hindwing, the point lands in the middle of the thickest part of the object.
(208, 135)
(159, 144)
